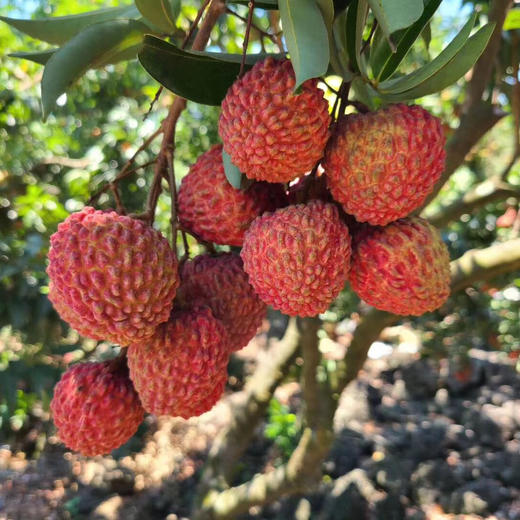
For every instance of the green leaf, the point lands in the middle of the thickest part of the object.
(356, 19)
(307, 38)
(41, 57)
(327, 11)
(161, 13)
(512, 20)
(386, 62)
(365, 93)
(339, 58)
(60, 29)
(453, 70)
(417, 77)
(200, 77)
(93, 47)
(233, 174)
(393, 15)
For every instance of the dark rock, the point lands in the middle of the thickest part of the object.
(392, 474)
(478, 498)
(459, 438)
(421, 378)
(346, 452)
(433, 479)
(486, 429)
(428, 441)
(389, 508)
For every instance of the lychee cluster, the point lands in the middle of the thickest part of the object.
(344, 218)
(114, 278)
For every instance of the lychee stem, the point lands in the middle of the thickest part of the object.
(251, 6)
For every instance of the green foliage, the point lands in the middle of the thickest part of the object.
(282, 428)
(306, 36)
(233, 174)
(161, 13)
(205, 77)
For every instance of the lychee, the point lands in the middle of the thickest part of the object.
(221, 283)
(298, 257)
(181, 369)
(271, 133)
(112, 277)
(402, 268)
(96, 408)
(381, 165)
(213, 209)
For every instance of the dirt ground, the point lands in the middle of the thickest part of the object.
(413, 442)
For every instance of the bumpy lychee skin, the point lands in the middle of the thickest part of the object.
(271, 133)
(381, 166)
(181, 369)
(96, 408)
(402, 268)
(215, 211)
(298, 257)
(111, 277)
(221, 283)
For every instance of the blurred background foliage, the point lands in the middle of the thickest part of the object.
(50, 169)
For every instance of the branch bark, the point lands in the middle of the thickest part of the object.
(249, 408)
(490, 190)
(473, 126)
(484, 67)
(300, 472)
(478, 117)
(484, 264)
(298, 475)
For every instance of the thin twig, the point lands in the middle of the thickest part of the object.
(335, 91)
(120, 177)
(152, 104)
(195, 23)
(266, 34)
(117, 197)
(369, 39)
(173, 195)
(274, 20)
(246, 37)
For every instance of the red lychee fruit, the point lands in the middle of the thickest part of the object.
(95, 407)
(298, 257)
(381, 166)
(112, 277)
(402, 268)
(271, 133)
(181, 369)
(221, 283)
(215, 211)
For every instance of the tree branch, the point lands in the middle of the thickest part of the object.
(484, 67)
(491, 190)
(249, 407)
(484, 264)
(473, 126)
(478, 117)
(297, 475)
